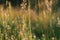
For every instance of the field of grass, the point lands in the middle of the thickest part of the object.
(21, 24)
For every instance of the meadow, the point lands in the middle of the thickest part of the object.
(28, 24)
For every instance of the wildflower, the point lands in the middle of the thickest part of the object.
(53, 38)
(58, 21)
(12, 37)
(43, 35)
(34, 36)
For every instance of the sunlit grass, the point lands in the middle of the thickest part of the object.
(21, 24)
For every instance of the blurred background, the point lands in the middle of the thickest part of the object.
(29, 19)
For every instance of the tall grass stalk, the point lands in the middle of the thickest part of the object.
(30, 36)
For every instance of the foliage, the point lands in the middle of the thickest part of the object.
(22, 24)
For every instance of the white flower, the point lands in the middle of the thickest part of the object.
(34, 36)
(53, 38)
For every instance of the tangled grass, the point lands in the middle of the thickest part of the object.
(21, 24)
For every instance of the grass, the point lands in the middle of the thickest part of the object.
(21, 24)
